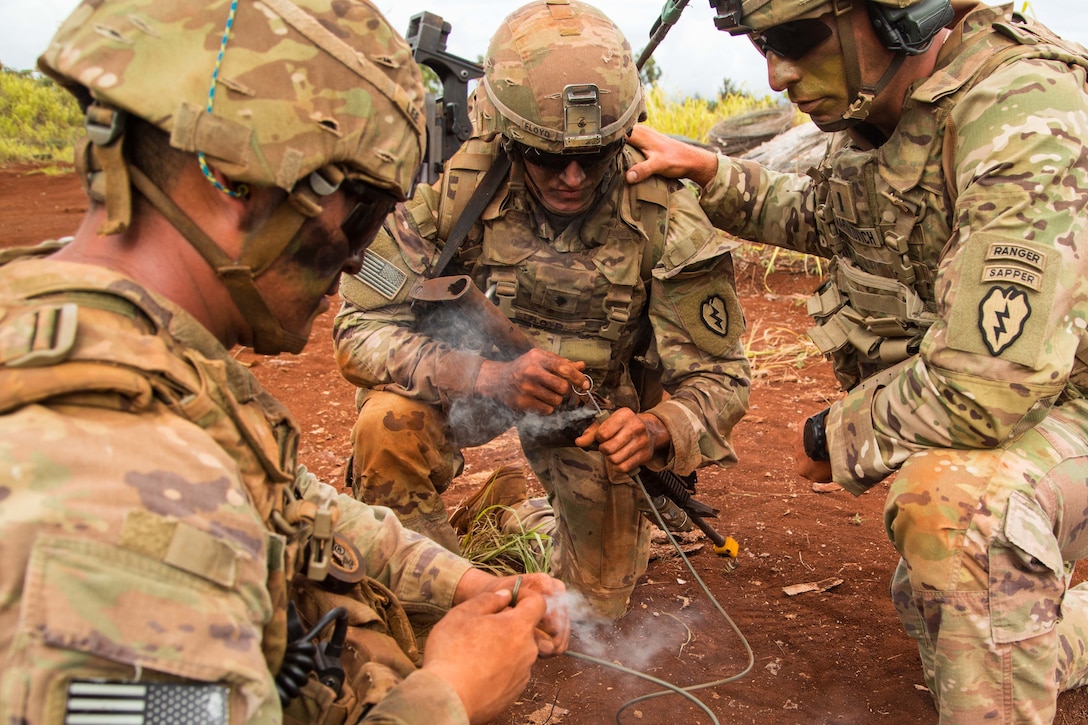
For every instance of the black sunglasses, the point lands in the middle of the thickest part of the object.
(793, 40)
(372, 206)
(558, 162)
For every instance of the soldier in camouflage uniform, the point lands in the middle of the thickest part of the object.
(162, 552)
(612, 284)
(953, 210)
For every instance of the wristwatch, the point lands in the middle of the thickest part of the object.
(816, 437)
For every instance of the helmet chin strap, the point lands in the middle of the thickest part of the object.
(107, 175)
(260, 249)
(862, 94)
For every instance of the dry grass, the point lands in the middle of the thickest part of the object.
(490, 548)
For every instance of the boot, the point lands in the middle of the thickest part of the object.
(435, 527)
(506, 487)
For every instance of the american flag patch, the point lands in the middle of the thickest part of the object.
(126, 703)
(381, 274)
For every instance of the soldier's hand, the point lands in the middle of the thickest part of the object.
(553, 631)
(536, 382)
(815, 471)
(626, 438)
(485, 650)
(669, 157)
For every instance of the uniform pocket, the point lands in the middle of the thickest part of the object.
(1026, 574)
(124, 607)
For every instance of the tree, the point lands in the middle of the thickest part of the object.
(650, 73)
(730, 88)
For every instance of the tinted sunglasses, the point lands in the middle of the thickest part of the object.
(372, 206)
(793, 40)
(558, 162)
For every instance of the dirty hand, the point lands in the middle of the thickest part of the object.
(536, 382)
(485, 650)
(815, 471)
(626, 438)
(553, 631)
(666, 156)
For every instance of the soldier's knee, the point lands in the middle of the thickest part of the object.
(388, 419)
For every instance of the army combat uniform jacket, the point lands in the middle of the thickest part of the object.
(153, 515)
(961, 238)
(640, 274)
(955, 314)
(639, 287)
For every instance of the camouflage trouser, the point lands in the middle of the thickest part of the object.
(405, 456)
(988, 539)
(602, 541)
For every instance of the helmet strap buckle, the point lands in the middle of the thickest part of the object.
(104, 125)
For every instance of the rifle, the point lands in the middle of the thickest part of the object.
(670, 13)
(448, 124)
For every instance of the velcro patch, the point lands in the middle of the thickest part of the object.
(708, 307)
(1022, 253)
(381, 275)
(131, 703)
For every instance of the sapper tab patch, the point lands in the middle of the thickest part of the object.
(1017, 263)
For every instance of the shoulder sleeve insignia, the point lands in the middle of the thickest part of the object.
(715, 315)
(1002, 314)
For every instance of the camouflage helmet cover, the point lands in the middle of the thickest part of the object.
(559, 76)
(747, 16)
(301, 83)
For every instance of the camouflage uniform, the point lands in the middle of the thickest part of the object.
(639, 287)
(151, 509)
(410, 382)
(958, 293)
(155, 521)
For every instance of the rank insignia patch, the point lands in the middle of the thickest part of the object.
(1002, 315)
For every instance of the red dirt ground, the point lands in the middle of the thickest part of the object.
(836, 656)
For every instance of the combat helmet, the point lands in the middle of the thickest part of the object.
(906, 27)
(560, 77)
(298, 94)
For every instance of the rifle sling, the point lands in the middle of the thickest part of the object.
(479, 200)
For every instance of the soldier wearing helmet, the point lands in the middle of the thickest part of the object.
(622, 293)
(164, 552)
(955, 309)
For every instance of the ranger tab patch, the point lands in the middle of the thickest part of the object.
(1002, 314)
(1017, 263)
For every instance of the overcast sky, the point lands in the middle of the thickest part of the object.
(694, 58)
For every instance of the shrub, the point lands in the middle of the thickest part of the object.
(693, 118)
(39, 121)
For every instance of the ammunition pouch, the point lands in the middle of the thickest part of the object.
(866, 322)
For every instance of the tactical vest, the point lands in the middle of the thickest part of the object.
(98, 340)
(886, 213)
(583, 305)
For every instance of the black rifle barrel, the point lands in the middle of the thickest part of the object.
(670, 13)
